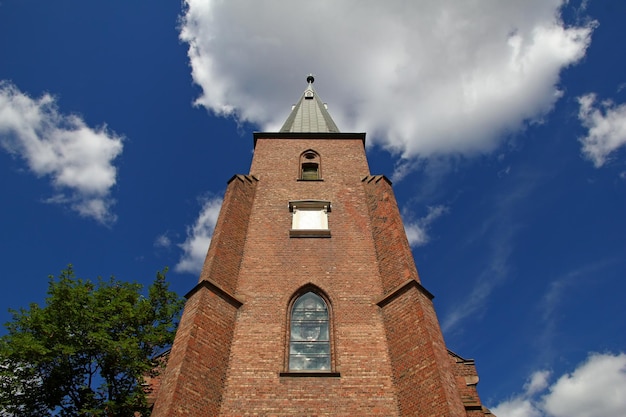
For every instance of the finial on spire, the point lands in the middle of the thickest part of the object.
(310, 114)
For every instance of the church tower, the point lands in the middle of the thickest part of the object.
(309, 301)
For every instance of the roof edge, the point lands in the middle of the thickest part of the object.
(308, 135)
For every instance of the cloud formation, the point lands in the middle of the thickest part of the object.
(499, 230)
(78, 159)
(417, 231)
(594, 389)
(606, 128)
(422, 78)
(199, 235)
(162, 241)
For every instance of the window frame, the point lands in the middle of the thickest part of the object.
(288, 372)
(298, 207)
(309, 159)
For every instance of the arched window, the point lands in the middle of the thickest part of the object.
(309, 341)
(310, 166)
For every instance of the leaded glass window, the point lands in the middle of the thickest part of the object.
(309, 344)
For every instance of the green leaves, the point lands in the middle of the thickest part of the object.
(85, 352)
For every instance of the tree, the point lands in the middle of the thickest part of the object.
(88, 350)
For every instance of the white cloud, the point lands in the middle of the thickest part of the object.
(538, 382)
(606, 124)
(162, 241)
(417, 231)
(494, 273)
(77, 158)
(517, 407)
(199, 237)
(499, 231)
(422, 78)
(594, 389)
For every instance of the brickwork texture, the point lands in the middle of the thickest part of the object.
(388, 356)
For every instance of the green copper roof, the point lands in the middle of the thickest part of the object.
(310, 114)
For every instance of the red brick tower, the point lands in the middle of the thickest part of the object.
(309, 302)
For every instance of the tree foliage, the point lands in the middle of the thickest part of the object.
(87, 351)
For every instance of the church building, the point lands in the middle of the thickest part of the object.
(309, 302)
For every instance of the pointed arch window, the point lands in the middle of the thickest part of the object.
(309, 341)
(310, 166)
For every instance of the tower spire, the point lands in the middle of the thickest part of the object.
(310, 113)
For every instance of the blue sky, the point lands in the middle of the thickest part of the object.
(502, 125)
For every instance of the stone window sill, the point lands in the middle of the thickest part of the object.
(310, 374)
(309, 233)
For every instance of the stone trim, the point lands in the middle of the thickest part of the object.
(215, 289)
(307, 135)
(401, 289)
(242, 178)
(309, 232)
(301, 374)
(376, 179)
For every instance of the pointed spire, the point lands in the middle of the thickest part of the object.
(309, 114)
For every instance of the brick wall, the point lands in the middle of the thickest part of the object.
(393, 253)
(467, 379)
(193, 381)
(422, 372)
(231, 350)
(226, 251)
(275, 266)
